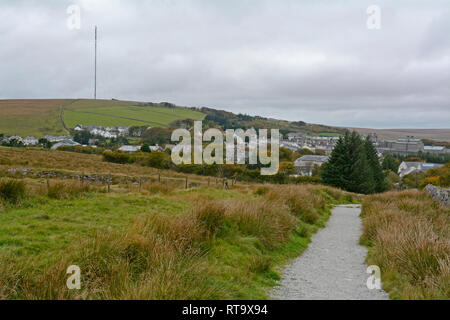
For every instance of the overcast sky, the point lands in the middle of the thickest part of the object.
(314, 61)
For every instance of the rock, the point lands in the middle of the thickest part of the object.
(440, 195)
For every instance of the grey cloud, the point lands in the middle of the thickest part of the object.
(311, 60)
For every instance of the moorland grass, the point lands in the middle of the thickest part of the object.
(408, 238)
(203, 243)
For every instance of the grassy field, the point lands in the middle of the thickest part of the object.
(157, 241)
(160, 243)
(41, 117)
(77, 163)
(408, 238)
(111, 113)
(31, 117)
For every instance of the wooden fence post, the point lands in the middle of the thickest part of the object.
(186, 182)
(159, 177)
(109, 183)
(47, 186)
(140, 184)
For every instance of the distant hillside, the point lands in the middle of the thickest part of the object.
(230, 120)
(393, 134)
(42, 117)
(31, 117)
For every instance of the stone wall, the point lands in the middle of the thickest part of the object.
(440, 195)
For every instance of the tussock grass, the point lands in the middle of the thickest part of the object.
(66, 190)
(12, 191)
(409, 239)
(222, 245)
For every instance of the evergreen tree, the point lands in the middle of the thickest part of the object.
(354, 166)
(374, 163)
(389, 163)
(146, 148)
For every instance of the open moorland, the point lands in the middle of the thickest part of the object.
(147, 240)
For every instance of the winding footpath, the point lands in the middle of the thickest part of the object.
(333, 267)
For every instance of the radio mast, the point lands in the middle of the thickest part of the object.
(95, 71)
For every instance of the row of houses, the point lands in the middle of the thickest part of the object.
(32, 141)
(110, 132)
(106, 132)
(28, 141)
(298, 140)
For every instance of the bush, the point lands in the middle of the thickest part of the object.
(118, 157)
(12, 191)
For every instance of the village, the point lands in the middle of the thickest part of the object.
(313, 151)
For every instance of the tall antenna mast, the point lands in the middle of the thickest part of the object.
(95, 80)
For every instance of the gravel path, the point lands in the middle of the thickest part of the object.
(333, 267)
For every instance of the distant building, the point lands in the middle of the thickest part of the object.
(156, 148)
(305, 165)
(407, 146)
(17, 138)
(56, 139)
(130, 149)
(288, 144)
(30, 141)
(65, 143)
(296, 136)
(123, 131)
(406, 168)
(435, 149)
(79, 127)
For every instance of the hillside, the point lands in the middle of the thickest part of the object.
(393, 134)
(42, 117)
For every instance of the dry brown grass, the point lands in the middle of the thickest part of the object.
(409, 237)
(71, 162)
(166, 256)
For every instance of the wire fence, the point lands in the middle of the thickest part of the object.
(108, 180)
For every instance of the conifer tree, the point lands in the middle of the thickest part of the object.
(354, 166)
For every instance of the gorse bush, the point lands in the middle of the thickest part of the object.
(12, 191)
(409, 235)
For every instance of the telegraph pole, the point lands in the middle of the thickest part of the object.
(95, 72)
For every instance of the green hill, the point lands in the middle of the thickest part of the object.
(42, 117)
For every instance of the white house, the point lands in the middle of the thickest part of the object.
(79, 127)
(406, 168)
(156, 148)
(30, 141)
(123, 131)
(65, 143)
(305, 164)
(130, 149)
(17, 138)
